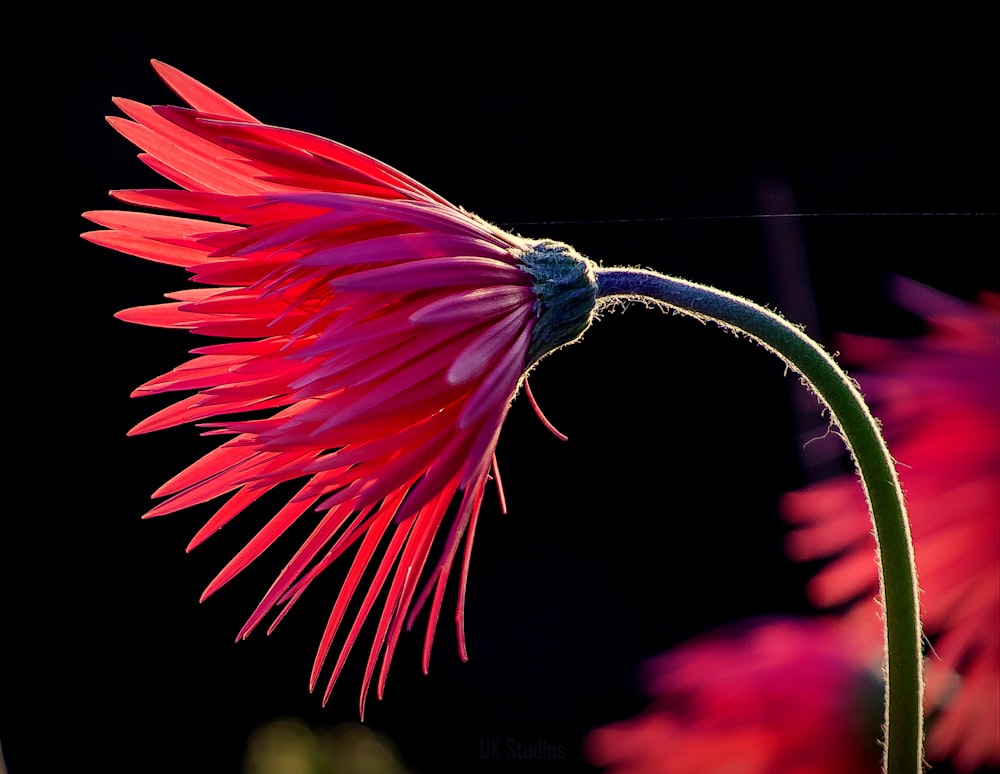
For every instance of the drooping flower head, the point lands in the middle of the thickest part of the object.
(381, 331)
(765, 696)
(938, 396)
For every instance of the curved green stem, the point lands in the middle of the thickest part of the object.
(897, 571)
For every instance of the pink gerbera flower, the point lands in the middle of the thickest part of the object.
(938, 396)
(379, 334)
(767, 696)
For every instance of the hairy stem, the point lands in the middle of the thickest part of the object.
(897, 571)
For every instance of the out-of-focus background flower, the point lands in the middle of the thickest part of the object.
(938, 397)
(660, 520)
(775, 695)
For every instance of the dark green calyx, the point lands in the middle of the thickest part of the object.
(567, 295)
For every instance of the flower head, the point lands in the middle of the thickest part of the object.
(938, 396)
(377, 333)
(766, 696)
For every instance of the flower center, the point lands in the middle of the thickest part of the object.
(566, 291)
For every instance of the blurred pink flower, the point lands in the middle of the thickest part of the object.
(385, 331)
(938, 397)
(767, 696)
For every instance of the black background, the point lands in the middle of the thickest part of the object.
(639, 140)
